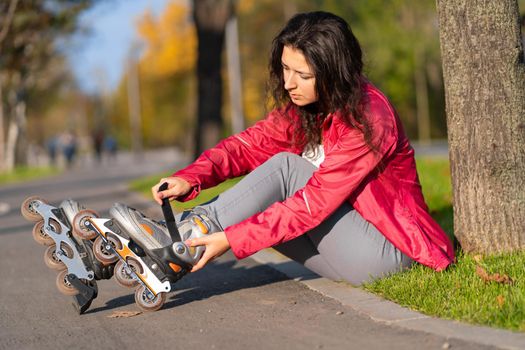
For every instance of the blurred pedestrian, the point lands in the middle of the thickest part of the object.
(97, 138)
(52, 148)
(69, 147)
(111, 147)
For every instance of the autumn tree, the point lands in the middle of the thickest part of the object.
(484, 74)
(29, 62)
(167, 78)
(175, 46)
(210, 18)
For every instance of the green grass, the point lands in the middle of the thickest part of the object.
(26, 173)
(458, 293)
(144, 186)
(434, 176)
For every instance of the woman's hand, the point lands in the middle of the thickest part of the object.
(176, 187)
(216, 245)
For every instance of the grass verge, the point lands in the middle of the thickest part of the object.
(144, 186)
(462, 293)
(469, 291)
(486, 291)
(26, 173)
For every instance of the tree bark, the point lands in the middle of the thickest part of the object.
(12, 138)
(21, 146)
(484, 75)
(210, 19)
(3, 166)
(234, 75)
(422, 108)
(134, 103)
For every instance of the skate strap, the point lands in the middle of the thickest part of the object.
(168, 216)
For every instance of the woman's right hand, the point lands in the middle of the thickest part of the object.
(176, 187)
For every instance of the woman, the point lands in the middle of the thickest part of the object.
(331, 182)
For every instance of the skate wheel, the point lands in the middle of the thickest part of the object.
(79, 224)
(53, 261)
(63, 284)
(104, 255)
(28, 208)
(40, 236)
(122, 276)
(146, 301)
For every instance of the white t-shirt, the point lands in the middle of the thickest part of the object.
(314, 156)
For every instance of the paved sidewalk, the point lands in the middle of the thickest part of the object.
(384, 311)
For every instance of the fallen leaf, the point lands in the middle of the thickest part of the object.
(123, 314)
(496, 277)
(500, 299)
(477, 258)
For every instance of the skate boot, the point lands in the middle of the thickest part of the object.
(152, 255)
(69, 252)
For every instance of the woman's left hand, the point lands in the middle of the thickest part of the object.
(216, 245)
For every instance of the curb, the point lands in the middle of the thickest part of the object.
(387, 312)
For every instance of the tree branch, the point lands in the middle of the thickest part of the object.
(9, 18)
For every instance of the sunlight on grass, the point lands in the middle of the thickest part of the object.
(144, 186)
(26, 173)
(434, 176)
(458, 293)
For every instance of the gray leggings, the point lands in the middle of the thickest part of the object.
(343, 247)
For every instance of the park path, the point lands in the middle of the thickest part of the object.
(228, 305)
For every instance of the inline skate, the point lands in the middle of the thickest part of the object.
(69, 247)
(151, 255)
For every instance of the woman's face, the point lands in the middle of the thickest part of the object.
(299, 79)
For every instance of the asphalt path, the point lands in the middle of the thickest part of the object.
(228, 305)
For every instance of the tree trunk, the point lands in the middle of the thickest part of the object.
(21, 146)
(234, 75)
(422, 109)
(134, 105)
(210, 19)
(12, 137)
(484, 75)
(3, 166)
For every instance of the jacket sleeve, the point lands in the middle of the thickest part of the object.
(345, 166)
(239, 154)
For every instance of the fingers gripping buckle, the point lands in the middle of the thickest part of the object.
(195, 226)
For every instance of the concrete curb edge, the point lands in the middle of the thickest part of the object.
(384, 311)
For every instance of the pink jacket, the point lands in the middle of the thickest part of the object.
(382, 186)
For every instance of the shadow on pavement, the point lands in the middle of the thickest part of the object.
(215, 279)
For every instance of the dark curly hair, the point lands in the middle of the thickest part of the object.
(334, 54)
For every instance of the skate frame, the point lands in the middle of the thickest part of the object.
(75, 264)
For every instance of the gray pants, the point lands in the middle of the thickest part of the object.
(343, 247)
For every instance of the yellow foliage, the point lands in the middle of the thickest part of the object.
(245, 6)
(171, 41)
(254, 98)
